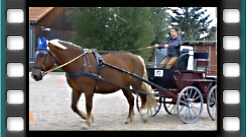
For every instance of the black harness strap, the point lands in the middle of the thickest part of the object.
(100, 65)
(98, 77)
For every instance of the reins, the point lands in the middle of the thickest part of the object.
(81, 55)
(150, 47)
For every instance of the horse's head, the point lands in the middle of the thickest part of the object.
(51, 52)
(44, 60)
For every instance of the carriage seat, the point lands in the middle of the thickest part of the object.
(201, 60)
(182, 62)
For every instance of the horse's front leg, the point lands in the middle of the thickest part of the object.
(89, 105)
(75, 97)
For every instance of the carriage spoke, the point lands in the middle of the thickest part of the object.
(214, 108)
(190, 93)
(190, 113)
(183, 96)
(211, 104)
(194, 112)
(213, 99)
(213, 95)
(196, 98)
(184, 102)
(175, 109)
(196, 108)
(184, 116)
(187, 113)
(172, 109)
(168, 106)
(194, 94)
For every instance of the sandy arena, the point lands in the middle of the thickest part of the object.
(50, 101)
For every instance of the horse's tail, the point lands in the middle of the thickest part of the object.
(150, 99)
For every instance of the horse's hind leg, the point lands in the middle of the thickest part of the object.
(75, 97)
(143, 110)
(130, 99)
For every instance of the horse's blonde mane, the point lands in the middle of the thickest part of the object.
(58, 43)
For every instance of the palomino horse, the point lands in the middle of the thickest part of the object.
(60, 52)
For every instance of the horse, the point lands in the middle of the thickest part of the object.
(59, 52)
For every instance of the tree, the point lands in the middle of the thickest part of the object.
(161, 21)
(117, 28)
(193, 22)
(212, 35)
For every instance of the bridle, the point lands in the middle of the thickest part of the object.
(44, 62)
(44, 72)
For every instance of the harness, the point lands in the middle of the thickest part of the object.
(100, 64)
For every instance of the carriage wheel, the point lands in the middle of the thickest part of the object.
(190, 105)
(152, 112)
(211, 102)
(169, 106)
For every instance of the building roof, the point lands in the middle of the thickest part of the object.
(37, 13)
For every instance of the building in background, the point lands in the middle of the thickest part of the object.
(51, 23)
(206, 46)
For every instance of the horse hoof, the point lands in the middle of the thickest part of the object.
(128, 120)
(145, 120)
(84, 126)
(89, 122)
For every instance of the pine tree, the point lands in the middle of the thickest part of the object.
(193, 22)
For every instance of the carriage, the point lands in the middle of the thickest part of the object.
(187, 90)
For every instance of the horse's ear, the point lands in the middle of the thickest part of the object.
(39, 41)
(44, 40)
(57, 44)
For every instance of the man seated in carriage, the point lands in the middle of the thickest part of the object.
(173, 45)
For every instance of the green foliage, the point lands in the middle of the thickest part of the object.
(161, 22)
(120, 28)
(194, 23)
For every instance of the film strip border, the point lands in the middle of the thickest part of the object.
(15, 112)
(229, 114)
